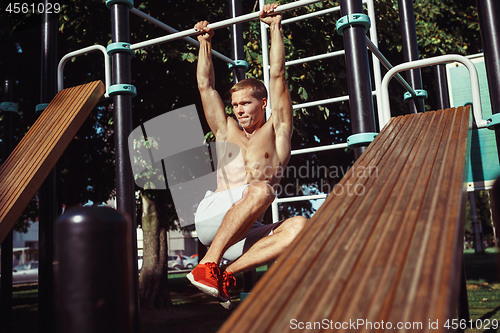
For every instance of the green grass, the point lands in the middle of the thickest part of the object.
(483, 289)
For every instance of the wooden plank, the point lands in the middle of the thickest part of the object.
(374, 256)
(31, 161)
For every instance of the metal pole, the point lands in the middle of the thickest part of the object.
(125, 198)
(221, 24)
(441, 87)
(410, 50)
(48, 191)
(358, 74)
(250, 277)
(6, 281)
(237, 40)
(489, 23)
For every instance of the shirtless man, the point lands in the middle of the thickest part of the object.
(244, 186)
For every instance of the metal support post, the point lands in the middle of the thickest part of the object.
(48, 191)
(410, 51)
(441, 87)
(6, 281)
(489, 23)
(237, 52)
(358, 74)
(237, 41)
(125, 198)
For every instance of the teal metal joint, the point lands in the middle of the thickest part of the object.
(117, 89)
(360, 139)
(119, 47)
(493, 122)
(420, 93)
(238, 64)
(351, 20)
(40, 107)
(9, 107)
(129, 3)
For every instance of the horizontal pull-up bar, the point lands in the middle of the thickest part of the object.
(316, 13)
(172, 30)
(221, 24)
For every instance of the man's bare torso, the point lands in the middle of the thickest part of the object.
(262, 157)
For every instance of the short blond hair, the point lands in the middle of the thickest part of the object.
(259, 90)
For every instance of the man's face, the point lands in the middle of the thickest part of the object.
(248, 109)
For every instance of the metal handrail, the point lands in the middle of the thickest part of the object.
(474, 80)
(93, 48)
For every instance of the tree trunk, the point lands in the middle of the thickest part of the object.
(153, 285)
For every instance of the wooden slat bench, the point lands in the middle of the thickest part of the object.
(31, 161)
(386, 252)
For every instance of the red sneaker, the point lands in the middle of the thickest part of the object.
(206, 277)
(228, 280)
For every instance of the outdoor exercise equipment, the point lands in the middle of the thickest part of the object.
(42, 146)
(339, 213)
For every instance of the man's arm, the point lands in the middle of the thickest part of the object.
(212, 103)
(282, 112)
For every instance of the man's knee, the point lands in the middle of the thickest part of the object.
(294, 225)
(261, 192)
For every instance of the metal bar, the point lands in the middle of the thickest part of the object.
(125, 198)
(320, 102)
(358, 74)
(388, 65)
(314, 58)
(237, 50)
(168, 28)
(221, 24)
(7, 244)
(377, 74)
(264, 41)
(410, 50)
(441, 87)
(474, 80)
(93, 48)
(301, 198)
(489, 23)
(316, 13)
(319, 148)
(47, 193)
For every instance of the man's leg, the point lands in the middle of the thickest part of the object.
(255, 200)
(269, 247)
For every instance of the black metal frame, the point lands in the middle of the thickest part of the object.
(410, 51)
(47, 193)
(358, 70)
(7, 244)
(489, 23)
(125, 198)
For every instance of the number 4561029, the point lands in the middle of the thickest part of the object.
(25, 8)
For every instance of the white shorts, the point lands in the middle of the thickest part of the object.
(210, 214)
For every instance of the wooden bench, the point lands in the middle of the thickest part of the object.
(388, 252)
(31, 161)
